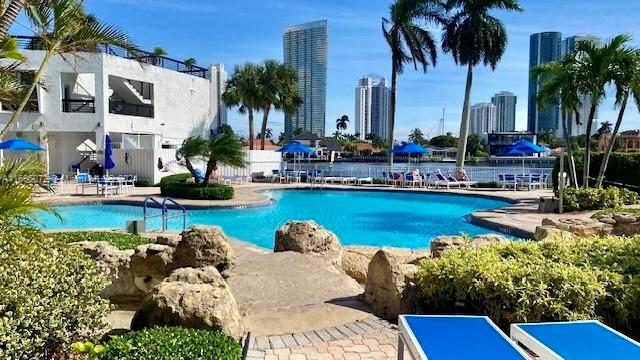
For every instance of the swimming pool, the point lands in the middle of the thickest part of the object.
(375, 218)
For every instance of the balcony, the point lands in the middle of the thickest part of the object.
(124, 108)
(35, 43)
(87, 106)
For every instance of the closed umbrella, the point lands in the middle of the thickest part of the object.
(108, 154)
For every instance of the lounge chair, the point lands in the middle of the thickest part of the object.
(444, 181)
(349, 180)
(583, 340)
(362, 180)
(466, 183)
(443, 337)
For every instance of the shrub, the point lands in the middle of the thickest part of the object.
(49, 295)
(547, 281)
(175, 179)
(120, 240)
(623, 168)
(142, 182)
(172, 343)
(597, 199)
(192, 191)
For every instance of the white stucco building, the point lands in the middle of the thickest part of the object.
(148, 107)
(372, 107)
(483, 119)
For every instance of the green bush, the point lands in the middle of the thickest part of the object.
(120, 240)
(175, 186)
(546, 281)
(172, 343)
(623, 168)
(142, 182)
(610, 212)
(598, 199)
(49, 295)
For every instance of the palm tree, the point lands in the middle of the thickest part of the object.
(605, 128)
(627, 82)
(341, 123)
(11, 89)
(268, 134)
(596, 67)
(223, 148)
(416, 136)
(472, 36)
(190, 63)
(409, 43)
(63, 28)
(158, 51)
(243, 91)
(559, 85)
(278, 89)
(8, 15)
(191, 150)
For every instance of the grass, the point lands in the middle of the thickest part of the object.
(609, 212)
(120, 240)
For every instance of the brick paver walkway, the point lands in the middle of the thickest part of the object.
(372, 338)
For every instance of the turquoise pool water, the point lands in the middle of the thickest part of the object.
(372, 218)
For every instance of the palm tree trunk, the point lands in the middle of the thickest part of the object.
(263, 131)
(587, 150)
(464, 124)
(567, 138)
(392, 113)
(251, 135)
(212, 164)
(25, 100)
(189, 166)
(612, 142)
(9, 16)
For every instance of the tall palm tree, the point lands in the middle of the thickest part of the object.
(596, 69)
(8, 15)
(278, 89)
(416, 136)
(11, 89)
(223, 148)
(243, 91)
(605, 128)
(409, 43)
(559, 87)
(472, 36)
(190, 63)
(627, 82)
(158, 51)
(341, 123)
(63, 28)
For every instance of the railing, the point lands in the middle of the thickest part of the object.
(36, 43)
(79, 105)
(125, 108)
(164, 211)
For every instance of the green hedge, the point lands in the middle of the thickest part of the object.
(172, 343)
(622, 168)
(598, 199)
(175, 186)
(120, 240)
(143, 182)
(49, 296)
(546, 281)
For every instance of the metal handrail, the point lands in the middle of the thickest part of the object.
(144, 209)
(166, 217)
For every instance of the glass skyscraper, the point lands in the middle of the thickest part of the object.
(543, 48)
(372, 107)
(305, 49)
(505, 103)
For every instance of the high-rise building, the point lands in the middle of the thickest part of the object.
(305, 50)
(372, 107)
(505, 103)
(543, 48)
(218, 78)
(483, 118)
(568, 45)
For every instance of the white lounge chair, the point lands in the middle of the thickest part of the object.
(362, 180)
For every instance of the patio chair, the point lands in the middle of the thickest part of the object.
(411, 180)
(533, 181)
(278, 175)
(129, 182)
(55, 181)
(82, 180)
(507, 180)
(109, 185)
(460, 337)
(585, 340)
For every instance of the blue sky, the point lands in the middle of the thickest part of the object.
(234, 32)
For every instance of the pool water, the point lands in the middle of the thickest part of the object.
(373, 218)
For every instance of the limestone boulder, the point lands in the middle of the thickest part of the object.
(191, 297)
(579, 227)
(151, 264)
(488, 239)
(117, 263)
(391, 287)
(625, 218)
(202, 246)
(356, 259)
(307, 237)
(169, 239)
(442, 243)
(547, 233)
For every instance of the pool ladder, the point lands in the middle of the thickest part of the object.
(165, 211)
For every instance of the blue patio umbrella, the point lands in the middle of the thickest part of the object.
(108, 154)
(295, 147)
(525, 147)
(409, 149)
(19, 145)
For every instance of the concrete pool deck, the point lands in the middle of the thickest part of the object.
(519, 219)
